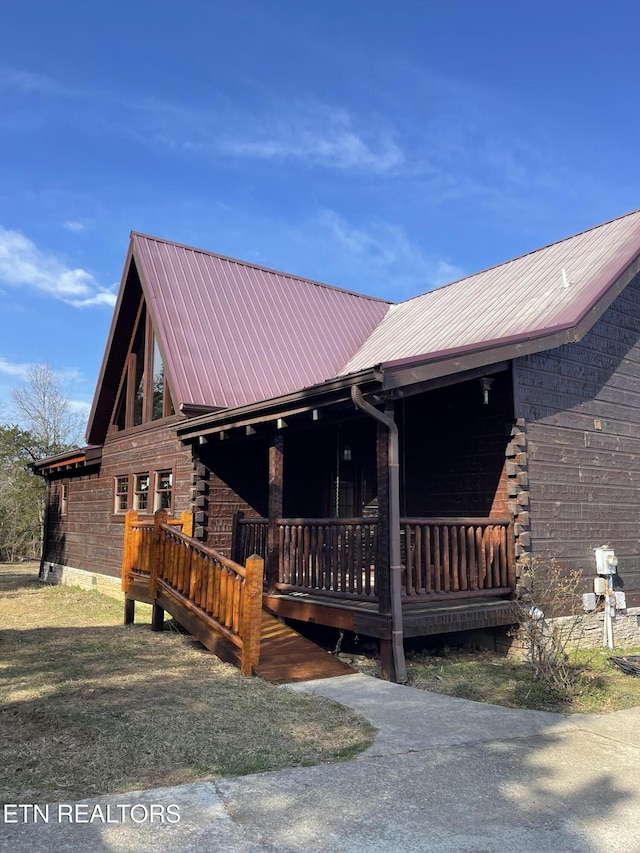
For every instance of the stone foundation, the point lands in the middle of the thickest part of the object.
(54, 573)
(586, 634)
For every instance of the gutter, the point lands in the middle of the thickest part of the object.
(394, 529)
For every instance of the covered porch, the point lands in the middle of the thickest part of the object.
(392, 525)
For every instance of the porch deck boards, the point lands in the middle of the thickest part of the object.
(287, 657)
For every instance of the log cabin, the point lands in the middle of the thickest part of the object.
(394, 465)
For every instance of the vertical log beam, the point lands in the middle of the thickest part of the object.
(236, 534)
(252, 615)
(186, 521)
(276, 477)
(159, 518)
(127, 551)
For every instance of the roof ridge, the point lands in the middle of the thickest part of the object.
(518, 257)
(250, 265)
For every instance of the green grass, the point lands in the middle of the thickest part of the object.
(487, 677)
(89, 706)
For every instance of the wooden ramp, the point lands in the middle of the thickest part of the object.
(286, 656)
(218, 601)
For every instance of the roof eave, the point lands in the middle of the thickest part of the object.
(325, 393)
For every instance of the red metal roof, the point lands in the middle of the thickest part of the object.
(549, 289)
(233, 333)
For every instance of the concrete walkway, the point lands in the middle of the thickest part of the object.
(444, 775)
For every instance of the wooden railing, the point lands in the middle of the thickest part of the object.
(249, 536)
(224, 595)
(455, 557)
(335, 556)
(441, 557)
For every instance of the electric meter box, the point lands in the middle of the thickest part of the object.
(606, 561)
(589, 601)
(599, 585)
(621, 600)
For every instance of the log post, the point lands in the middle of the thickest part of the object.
(129, 611)
(155, 568)
(383, 566)
(130, 520)
(252, 615)
(186, 520)
(236, 533)
(276, 475)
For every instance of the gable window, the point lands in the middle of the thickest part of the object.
(121, 498)
(143, 394)
(164, 483)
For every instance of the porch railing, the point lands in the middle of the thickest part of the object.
(220, 593)
(335, 556)
(441, 557)
(457, 556)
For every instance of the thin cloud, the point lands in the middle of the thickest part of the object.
(74, 226)
(324, 138)
(15, 369)
(23, 264)
(384, 254)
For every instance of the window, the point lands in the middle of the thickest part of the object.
(143, 395)
(132, 491)
(141, 493)
(164, 482)
(121, 502)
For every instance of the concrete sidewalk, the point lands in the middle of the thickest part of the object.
(443, 775)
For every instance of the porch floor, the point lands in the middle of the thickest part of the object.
(419, 618)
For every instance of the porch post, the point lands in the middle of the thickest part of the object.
(276, 473)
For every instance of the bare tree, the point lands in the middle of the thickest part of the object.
(46, 411)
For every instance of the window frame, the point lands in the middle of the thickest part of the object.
(117, 507)
(131, 476)
(158, 492)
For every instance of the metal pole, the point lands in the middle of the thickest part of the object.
(394, 530)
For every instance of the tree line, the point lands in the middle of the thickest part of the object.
(40, 423)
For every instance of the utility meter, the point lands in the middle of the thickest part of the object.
(606, 560)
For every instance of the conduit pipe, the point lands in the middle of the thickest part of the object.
(394, 529)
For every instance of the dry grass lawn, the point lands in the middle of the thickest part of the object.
(89, 706)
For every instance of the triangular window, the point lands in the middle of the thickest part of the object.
(143, 394)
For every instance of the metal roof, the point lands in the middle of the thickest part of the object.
(232, 333)
(529, 297)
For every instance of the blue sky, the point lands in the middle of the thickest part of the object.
(386, 148)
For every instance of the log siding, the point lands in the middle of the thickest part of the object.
(581, 406)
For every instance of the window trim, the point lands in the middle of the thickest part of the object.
(157, 492)
(131, 476)
(117, 508)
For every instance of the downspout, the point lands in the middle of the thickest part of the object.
(394, 530)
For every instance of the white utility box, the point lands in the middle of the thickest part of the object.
(599, 585)
(589, 601)
(621, 600)
(606, 560)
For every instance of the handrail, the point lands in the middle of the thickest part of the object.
(222, 594)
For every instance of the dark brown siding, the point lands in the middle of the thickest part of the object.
(581, 403)
(89, 537)
(453, 450)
